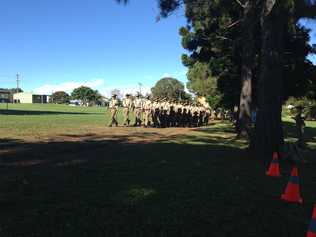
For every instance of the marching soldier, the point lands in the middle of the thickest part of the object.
(138, 108)
(169, 113)
(172, 114)
(147, 111)
(184, 118)
(127, 107)
(207, 114)
(162, 115)
(113, 106)
(179, 109)
(155, 108)
(195, 118)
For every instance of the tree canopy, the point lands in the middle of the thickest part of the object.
(60, 97)
(169, 88)
(86, 95)
(256, 50)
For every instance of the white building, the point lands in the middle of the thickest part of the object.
(30, 98)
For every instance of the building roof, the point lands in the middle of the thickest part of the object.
(5, 91)
(29, 93)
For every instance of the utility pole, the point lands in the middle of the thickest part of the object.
(17, 82)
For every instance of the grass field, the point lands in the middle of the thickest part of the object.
(63, 173)
(32, 120)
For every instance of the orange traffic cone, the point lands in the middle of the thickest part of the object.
(292, 191)
(274, 168)
(312, 227)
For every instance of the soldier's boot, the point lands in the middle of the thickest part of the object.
(110, 124)
(136, 122)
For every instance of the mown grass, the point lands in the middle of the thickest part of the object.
(142, 182)
(22, 120)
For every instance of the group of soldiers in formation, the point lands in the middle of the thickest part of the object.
(160, 113)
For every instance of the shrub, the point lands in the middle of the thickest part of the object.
(308, 105)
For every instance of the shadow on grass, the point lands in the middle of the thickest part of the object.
(112, 187)
(36, 112)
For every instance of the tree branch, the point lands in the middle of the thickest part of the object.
(233, 24)
(223, 37)
(240, 4)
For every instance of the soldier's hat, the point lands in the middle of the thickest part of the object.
(114, 95)
(128, 95)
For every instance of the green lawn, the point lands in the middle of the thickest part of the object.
(22, 120)
(79, 178)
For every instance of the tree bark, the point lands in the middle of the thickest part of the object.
(248, 65)
(248, 61)
(269, 131)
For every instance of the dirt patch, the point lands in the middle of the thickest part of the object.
(130, 135)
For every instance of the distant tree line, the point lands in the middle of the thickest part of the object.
(85, 95)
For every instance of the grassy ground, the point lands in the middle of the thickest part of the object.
(63, 173)
(36, 120)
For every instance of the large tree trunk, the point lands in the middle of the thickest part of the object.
(269, 132)
(248, 61)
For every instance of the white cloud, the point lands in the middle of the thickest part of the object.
(68, 86)
(176, 74)
(96, 84)
(166, 75)
(128, 89)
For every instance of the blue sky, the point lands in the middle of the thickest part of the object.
(56, 44)
(63, 44)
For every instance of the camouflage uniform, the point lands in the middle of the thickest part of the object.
(138, 105)
(156, 111)
(113, 105)
(127, 107)
(147, 107)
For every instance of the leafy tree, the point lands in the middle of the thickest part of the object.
(277, 19)
(246, 44)
(15, 90)
(169, 88)
(253, 43)
(60, 97)
(201, 81)
(86, 95)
